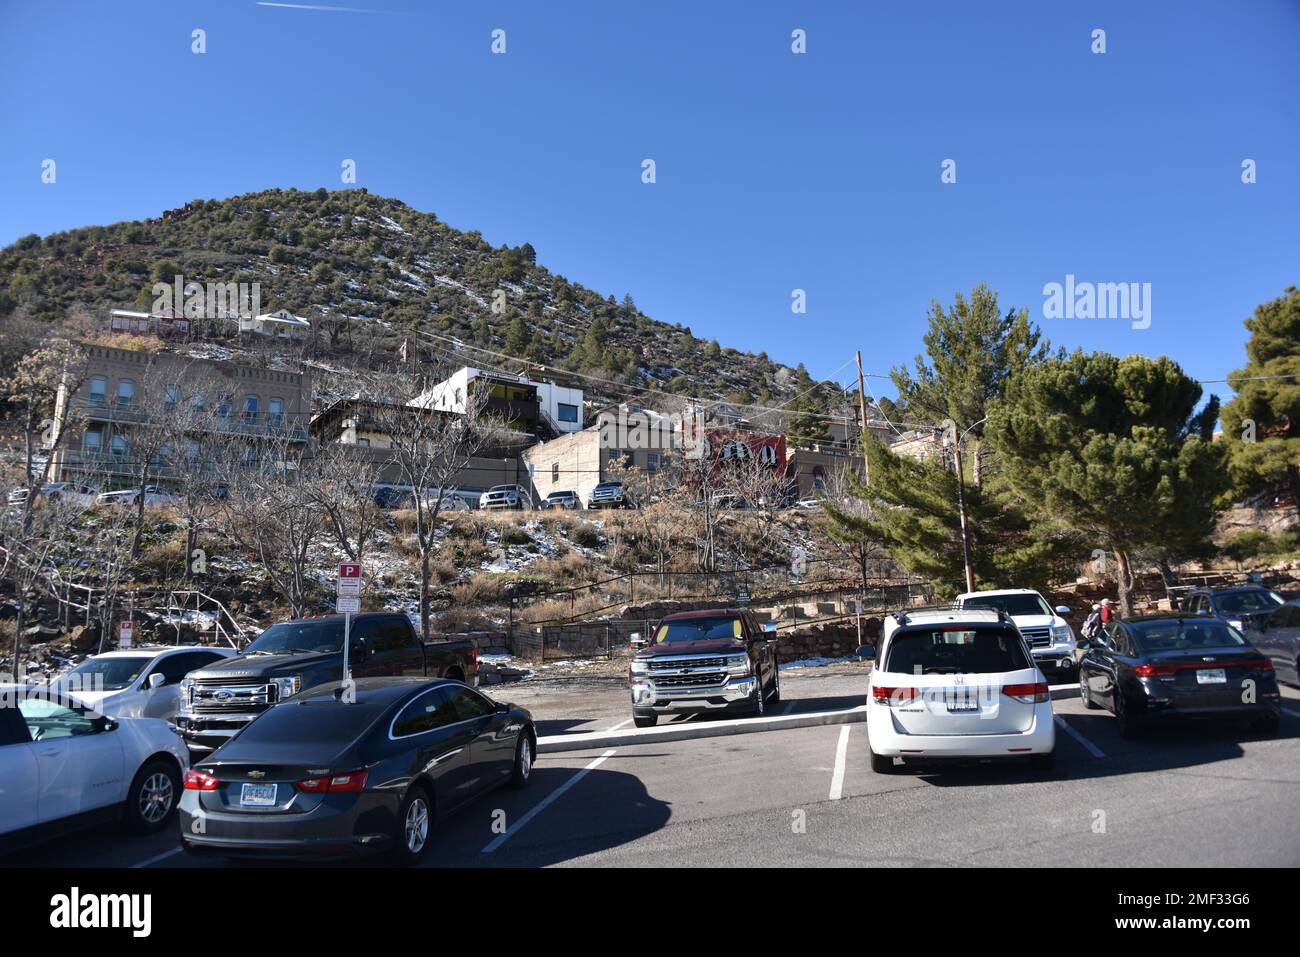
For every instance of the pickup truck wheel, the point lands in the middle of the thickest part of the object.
(776, 684)
(152, 797)
(414, 824)
(645, 720)
(759, 691)
(523, 767)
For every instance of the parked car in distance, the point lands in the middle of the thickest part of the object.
(142, 682)
(1279, 638)
(505, 496)
(1049, 636)
(808, 503)
(317, 776)
(386, 496)
(153, 497)
(705, 661)
(220, 699)
(956, 684)
(64, 766)
(450, 502)
(1243, 607)
(1162, 667)
(72, 492)
(609, 495)
(561, 500)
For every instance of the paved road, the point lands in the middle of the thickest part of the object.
(1191, 796)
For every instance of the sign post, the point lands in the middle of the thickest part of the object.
(857, 613)
(348, 602)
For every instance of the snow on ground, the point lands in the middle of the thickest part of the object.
(816, 662)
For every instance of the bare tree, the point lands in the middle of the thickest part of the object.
(429, 450)
(44, 422)
(341, 479)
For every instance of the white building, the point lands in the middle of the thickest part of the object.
(281, 324)
(535, 407)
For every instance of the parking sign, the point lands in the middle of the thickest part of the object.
(125, 633)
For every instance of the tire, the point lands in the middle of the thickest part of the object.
(881, 764)
(1268, 725)
(153, 796)
(1130, 725)
(775, 697)
(522, 769)
(1084, 695)
(760, 707)
(455, 674)
(645, 720)
(414, 827)
(1043, 762)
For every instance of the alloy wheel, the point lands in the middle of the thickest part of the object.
(417, 825)
(156, 797)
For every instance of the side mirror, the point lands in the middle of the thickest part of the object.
(636, 640)
(866, 652)
(769, 630)
(1083, 644)
(1063, 611)
(156, 680)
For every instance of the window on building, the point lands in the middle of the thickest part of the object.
(223, 406)
(92, 442)
(652, 462)
(819, 479)
(125, 392)
(252, 407)
(171, 397)
(275, 410)
(555, 471)
(98, 390)
(118, 446)
(199, 402)
(568, 413)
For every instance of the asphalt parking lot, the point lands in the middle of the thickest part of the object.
(1190, 796)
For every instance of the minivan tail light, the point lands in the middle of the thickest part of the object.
(198, 781)
(350, 782)
(894, 696)
(1028, 693)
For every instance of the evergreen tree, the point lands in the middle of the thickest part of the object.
(517, 338)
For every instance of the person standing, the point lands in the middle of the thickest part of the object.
(1107, 612)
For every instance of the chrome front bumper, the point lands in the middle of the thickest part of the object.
(646, 697)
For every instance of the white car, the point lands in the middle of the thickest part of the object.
(137, 682)
(1049, 636)
(505, 496)
(953, 684)
(153, 497)
(64, 766)
(58, 492)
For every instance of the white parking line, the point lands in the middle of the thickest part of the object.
(619, 725)
(156, 858)
(1095, 751)
(544, 803)
(841, 753)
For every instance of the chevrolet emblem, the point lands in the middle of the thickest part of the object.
(257, 774)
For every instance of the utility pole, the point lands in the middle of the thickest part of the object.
(961, 512)
(862, 408)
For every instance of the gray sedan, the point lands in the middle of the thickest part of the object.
(1279, 639)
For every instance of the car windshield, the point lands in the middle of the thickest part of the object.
(699, 629)
(322, 635)
(956, 649)
(1186, 635)
(503, 488)
(1237, 602)
(103, 674)
(1014, 605)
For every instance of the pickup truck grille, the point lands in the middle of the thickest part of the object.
(1037, 637)
(690, 681)
(231, 694)
(679, 663)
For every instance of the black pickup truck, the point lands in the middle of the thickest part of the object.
(292, 656)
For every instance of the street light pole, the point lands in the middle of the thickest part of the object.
(961, 500)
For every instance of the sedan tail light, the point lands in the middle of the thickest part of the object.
(349, 782)
(1028, 693)
(199, 781)
(893, 697)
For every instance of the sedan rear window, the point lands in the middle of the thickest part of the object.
(956, 650)
(311, 721)
(1186, 635)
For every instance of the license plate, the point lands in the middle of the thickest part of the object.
(1212, 676)
(257, 795)
(962, 703)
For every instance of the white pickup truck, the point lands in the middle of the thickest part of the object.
(1049, 636)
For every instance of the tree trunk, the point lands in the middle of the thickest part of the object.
(1124, 576)
(18, 628)
(424, 590)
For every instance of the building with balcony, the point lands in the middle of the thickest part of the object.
(541, 409)
(120, 391)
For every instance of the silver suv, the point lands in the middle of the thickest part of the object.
(505, 496)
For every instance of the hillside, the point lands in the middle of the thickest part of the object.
(369, 271)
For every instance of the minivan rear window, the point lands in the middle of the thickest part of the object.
(956, 649)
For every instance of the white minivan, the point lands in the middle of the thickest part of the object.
(954, 684)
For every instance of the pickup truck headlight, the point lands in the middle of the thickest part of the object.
(640, 667)
(738, 664)
(285, 687)
(1061, 633)
(187, 690)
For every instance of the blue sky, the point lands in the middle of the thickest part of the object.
(775, 171)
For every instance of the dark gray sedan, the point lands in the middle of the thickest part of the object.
(1279, 639)
(320, 776)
